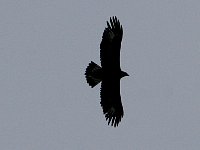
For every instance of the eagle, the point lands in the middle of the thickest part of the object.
(109, 73)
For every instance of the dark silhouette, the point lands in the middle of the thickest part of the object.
(110, 73)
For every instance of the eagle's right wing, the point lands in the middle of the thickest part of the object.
(111, 101)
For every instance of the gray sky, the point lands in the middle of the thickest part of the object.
(45, 102)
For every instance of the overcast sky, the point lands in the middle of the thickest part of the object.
(45, 102)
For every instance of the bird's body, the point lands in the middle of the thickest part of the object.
(109, 73)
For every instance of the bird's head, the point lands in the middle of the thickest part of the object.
(123, 74)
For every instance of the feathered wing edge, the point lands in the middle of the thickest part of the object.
(115, 27)
(111, 43)
(111, 105)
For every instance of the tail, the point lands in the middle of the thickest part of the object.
(93, 74)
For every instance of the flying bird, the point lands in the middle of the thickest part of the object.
(109, 73)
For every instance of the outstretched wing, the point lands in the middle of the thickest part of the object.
(111, 101)
(110, 62)
(111, 44)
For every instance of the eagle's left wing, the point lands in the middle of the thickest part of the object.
(110, 45)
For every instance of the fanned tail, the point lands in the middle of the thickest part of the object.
(93, 74)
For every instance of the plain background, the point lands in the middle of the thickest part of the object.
(45, 102)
